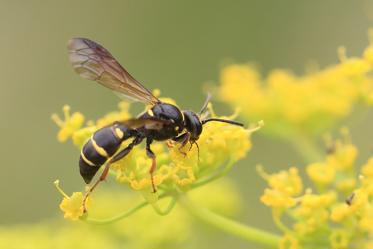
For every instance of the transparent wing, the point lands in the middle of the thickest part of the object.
(149, 123)
(93, 62)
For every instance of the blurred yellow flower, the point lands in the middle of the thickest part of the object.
(299, 105)
(284, 186)
(289, 242)
(69, 125)
(340, 212)
(144, 229)
(339, 239)
(344, 156)
(277, 199)
(320, 173)
(338, 215)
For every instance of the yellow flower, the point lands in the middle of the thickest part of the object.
(339, 215)
(277, 199)
(284, 186)
(340, 212)
(72, 205)
(312, 213)
(368, 54)
(69, 125)
(346, 185)
(289, 242)
(144, 229)
(344, 156)
(339, 239)
(293, 105)
(367, 169)
(288, 182)
(318, 201)
(366, 221)
(321, 173)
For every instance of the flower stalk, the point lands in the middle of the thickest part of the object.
(230, 226)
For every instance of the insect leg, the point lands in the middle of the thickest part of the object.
(100, 179)
(183, 139)
(126, 150)
(151, 155)
(191, 145)
(105, 172)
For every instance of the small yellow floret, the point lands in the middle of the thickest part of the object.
(340, 212)
(288, 182)
(321, 173)
(72, 206)
(277, 199)
(318, 201)
(339, 239)
(289, 242)
(344, 156)
(367, 169)
(69, 125)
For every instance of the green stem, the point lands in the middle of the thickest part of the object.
(168, 209)
(222, 173)
(117, 217)
(126, 213)
(230, 226)
(278, 222)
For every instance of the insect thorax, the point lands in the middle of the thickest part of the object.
(168, 112)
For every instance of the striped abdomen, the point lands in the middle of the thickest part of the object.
(100, 147)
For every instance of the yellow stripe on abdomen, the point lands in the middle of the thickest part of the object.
(86, 160)
(99, 149)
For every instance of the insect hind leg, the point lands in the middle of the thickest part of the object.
(100, 179)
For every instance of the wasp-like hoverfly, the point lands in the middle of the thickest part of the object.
(161, 122)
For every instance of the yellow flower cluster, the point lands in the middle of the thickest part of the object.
(220, 145)
(283, 187)
(292, 105)
(144, 229)
(72, 205)
(338, 214)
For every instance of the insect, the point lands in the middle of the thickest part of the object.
(350, 199)
(161, 122)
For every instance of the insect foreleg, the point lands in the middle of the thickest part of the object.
(183, 139)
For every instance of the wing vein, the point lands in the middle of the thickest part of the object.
(93, 62)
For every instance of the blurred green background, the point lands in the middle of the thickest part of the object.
(176, 46)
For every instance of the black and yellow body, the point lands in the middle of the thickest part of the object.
(161, 122)
(166, 122)
(166, 112)
(103, 144)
